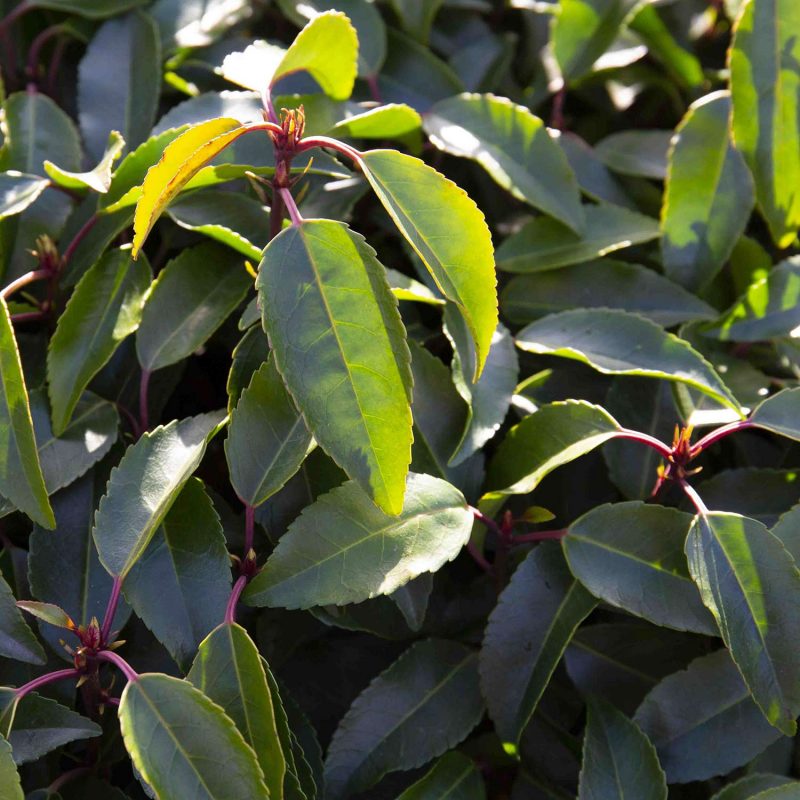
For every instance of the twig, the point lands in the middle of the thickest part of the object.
(24, 280)
(118, 661)
(291, 206)
(238, 588)
(697, 501)
(720, 433)
(43, 680)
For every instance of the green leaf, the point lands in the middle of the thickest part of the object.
(181, 584)
(554, 435)
(416, 16)
(10, 784)
(694, 719)
(190, 299)
(405, 288)
(327, 48)
(144, 485)
(765, 80)
(605, 283)
(97, 9)
(248, 356)
(749, 787)
(452, 777)
(631, 556)
(447, 231)
(197, 25)
(584, 29)
(52, 614)
(119, 82)
(787, 530)
(343, 549)
(514, 147)
(340, 346)
(618, 343)
(750, 584)
(16, 639)
(267, 439)
(98, 179)
(228, 670)
(638, 153)
(488, 399)
(383, 122)
(708, 195)
(104, 309)
(767, 309)
(522, 647)
(432, 687)
(779, 414)
(618, 759)
(184, 745)
(21, 478)
(18, 191)
(544, 244)
(42, 725)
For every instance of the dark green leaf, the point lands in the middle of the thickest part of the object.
(18, 191)
(343, 549)
(787, 529)
(452, 777)
(340, 346)
(779, 414)
(248, 356)
(526, 636)
(639, 153)
(143, 487)
(97, 9)
(751, 586)
(433, 687)
(184, 745)
(748, 787)
(631, 556)
(16, 639)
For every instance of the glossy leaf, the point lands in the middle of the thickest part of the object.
(765, 77)
(267, 440)
(521, 649)
(184, 745)
(639, 153)
(708, 195)
(447, 231)
(228, 670)
(691, 715)
(97, 179)
(544, 244)
(16, 639)
(751, 584)
(453, 777)
(190, 299)
(104, 309)
(343, 549)
(617, 343)
(143, 487)
(779, 414)
(433, 687)
(339, 344)
(49, 613)
(631, 556)
(21, 479)
(119, 81)
(514, 147)
(749, 787)
(618, 759)
(18, 191)
(9, 777)
(383, 122)
(180, 585)
(554, 435)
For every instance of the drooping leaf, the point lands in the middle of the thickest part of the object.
(18, 191)
(765, 78)
(544, 244)
(339, 344)
(749, 787)
(21, 479)
(605, 283)
(180, 585)
(432, 687)
(708, 195)
(554, 435)
(618, 343)
(119, 81)
(16, 639)
(447, 231)
(143, 487)
(631, 556)
(343, 549)
(779, 414)
(49, 613)
(514, 147)
(692, 718)
(452, 777)
(618, 759)
(97, 179)
(751, 586)
(267, 439)
(413, 598)
(526, 635)
(190, 299)
(184, 745)
(638, 153)
(104, 309)
(9, 777)
(228, 670)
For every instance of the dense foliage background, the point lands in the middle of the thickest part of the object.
(286, 511)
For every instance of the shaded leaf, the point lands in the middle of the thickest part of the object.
(9, 777)
(748, 787)
(52, 614)
(452, 777)
(638, 153)
(779, 413)
(97, 9)
(18, 191)
(16, 638)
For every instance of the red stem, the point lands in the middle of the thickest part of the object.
(118, 661)
(646, 439)
(479, 558)
(331, 144)
(276, 213)
(111, 609)
(537, 536)
(24, 280)
(291, 206)
(488, 522)
(43, 680)
(719, 433)
(697, 501)
(28, 316)
(249, 528)
(73, 245)
(144, 384)
(238, 588)
(36, 48)
(65, 778)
